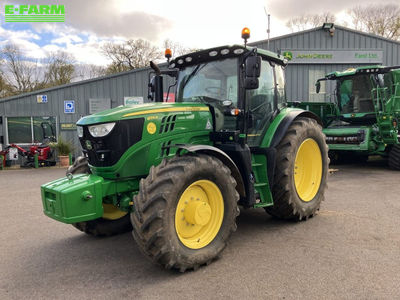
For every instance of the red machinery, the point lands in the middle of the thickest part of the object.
(45, 155)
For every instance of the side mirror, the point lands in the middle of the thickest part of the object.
(318, 86)
(156, 89)
(252, 72)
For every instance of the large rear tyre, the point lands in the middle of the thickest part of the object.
(113, 221)
(301, 171)
(394, 157)
(185, 211)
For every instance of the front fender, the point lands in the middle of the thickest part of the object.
(222, 156)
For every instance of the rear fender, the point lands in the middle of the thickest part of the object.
(278, 131)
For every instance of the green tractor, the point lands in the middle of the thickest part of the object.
(364, 120)
(175, 173)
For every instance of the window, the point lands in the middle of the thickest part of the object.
(313, 76)
(355, 94)
(280, 85)
(261, 103)
(214, 81)
(28, 130)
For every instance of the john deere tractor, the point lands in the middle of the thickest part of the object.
(364, 120)
(175, 173)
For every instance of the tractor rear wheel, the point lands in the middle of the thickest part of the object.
(114, 221)
(394, 157)
(185, 211)
(301, 171)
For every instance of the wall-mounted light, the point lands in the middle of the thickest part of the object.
(329, 27)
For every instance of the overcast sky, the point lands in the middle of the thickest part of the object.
(195, 24)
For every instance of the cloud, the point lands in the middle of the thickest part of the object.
(288, 9)
(67, 39)
(105, 19)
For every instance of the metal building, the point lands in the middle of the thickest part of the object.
(311, 53)
(316, 52)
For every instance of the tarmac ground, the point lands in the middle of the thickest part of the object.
(350, 250)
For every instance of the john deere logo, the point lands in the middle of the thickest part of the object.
(88, 145)
(151, 128)
(34, 13)
(288, 55)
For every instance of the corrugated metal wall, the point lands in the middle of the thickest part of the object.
(134, 83)
(297, 75)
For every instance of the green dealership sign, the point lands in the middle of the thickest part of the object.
(34, 13)
(333, 56)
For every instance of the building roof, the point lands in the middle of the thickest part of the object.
(371, 35)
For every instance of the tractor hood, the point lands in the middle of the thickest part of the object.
(142, 110)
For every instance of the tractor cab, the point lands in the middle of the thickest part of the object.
(243, 86)
(357, 93)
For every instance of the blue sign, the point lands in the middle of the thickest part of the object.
(69, 107)
(41, 98)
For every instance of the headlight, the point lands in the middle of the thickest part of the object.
(100, 130)
(79, 129)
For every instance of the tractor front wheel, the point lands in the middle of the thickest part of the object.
(114, 221)
(301, 171)
(185, 211)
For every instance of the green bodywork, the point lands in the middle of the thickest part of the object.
(79, 198)
(377, 126)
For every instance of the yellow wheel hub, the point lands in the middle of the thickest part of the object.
(199, 214)
(111, 212)
(308, 170)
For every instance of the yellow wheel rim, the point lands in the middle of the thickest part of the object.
(308, 170)
(111, 212)
(199, 214)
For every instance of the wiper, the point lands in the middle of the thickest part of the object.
(191, 75)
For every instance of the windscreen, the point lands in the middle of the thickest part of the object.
(212, 82)
(354, 94)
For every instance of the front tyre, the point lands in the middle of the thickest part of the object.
(301, 171)
(185, 211)
(113, 221)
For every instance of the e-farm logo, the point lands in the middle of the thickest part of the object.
(34, 13)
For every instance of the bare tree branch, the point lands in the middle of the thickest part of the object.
(21, 74)
(308, 21)
(383, 20)
(130, 55)
(59, 68)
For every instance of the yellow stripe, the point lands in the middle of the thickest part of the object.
(169, 109)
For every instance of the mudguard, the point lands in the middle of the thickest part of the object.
(222, 156)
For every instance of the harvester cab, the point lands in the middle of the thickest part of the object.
(175, 173)
(367, 114)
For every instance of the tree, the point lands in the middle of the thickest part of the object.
(59, 68)
(88, 71)
(383, 20)
(21, 75)
(130, 55)
(307, 21)
(177, 49)
(4, 87)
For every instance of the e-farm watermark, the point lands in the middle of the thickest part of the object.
(34, 13)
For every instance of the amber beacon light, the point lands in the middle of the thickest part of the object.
(245, 35)
(168, 54)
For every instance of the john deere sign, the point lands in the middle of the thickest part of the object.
(333, 56)
(34, 13)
